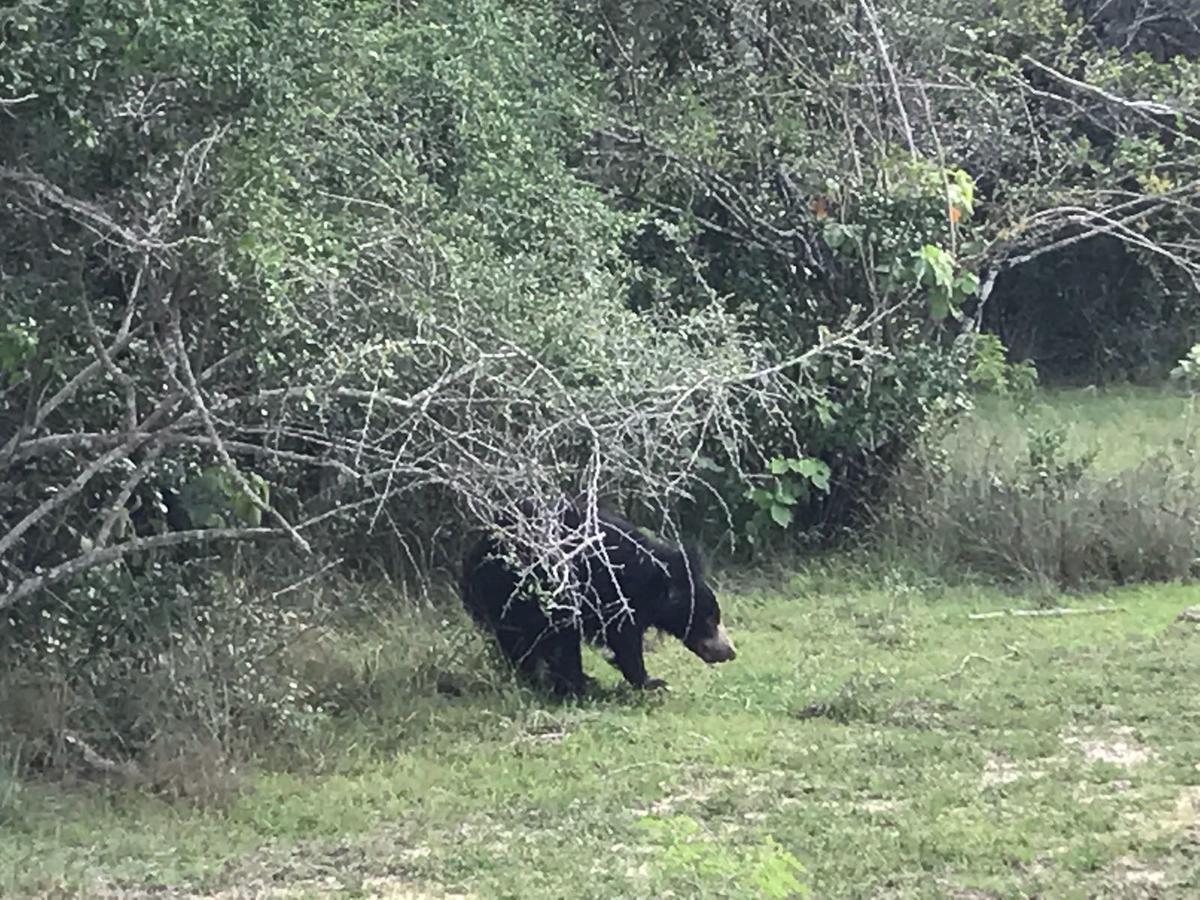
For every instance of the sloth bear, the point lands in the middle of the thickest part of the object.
(634, 584)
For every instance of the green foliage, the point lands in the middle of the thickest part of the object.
(156, 656)
(1090, 489)
(1049, 468)
(213, 498)
(493, 792)
(935, 270)
(1188, 370)
(18, 342)
(991, 371)
(791, 484)
(691, 857)
(11, 786)
(422, 260)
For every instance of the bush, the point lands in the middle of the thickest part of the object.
(1051, 517)
(342, 282)
(234, 673)
(206, 667)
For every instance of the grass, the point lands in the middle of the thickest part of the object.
(1080, 489)
(870, 740)
(1122, 425)
(868, 731)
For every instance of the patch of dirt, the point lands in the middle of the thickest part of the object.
(640, 872)
(1131, 871)
(1118, 748)
(1130, 878)
(1180, 819)
(998, 770)
(1147, 880)
(1087, 794)
(1186, 816)
(542, 728)
(879, 805)
(384, 888)
(672, 803)
(709, 786)
(1191, 614)
(923, 715)
(380, 865)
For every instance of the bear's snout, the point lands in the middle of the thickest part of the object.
(716, 649)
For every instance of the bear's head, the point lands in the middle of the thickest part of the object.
(692, 613)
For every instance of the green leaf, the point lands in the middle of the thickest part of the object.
(781, 514)
(938, 263)
(967, 283)
(761, 497)
(246, 511)
(815, 471)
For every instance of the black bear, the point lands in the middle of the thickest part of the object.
(631, 585)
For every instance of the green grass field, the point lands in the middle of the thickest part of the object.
(870, 740)
(1121, 425)
(875, 736)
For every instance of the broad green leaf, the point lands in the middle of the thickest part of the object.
(939, 263)
(967, 283)
(815, 471)
(781, 514)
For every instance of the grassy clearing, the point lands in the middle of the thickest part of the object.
(1078, 490)
(871, 733)
(1122, 426)
(870, 739)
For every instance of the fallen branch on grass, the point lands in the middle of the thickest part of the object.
(1012, 653)
(1047, 613)
(967, 660)
(101, 764)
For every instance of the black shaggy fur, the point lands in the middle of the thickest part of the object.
(663, 586)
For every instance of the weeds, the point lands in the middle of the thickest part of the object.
(856, 700)
(237, 677)
(1054, 510)
(10, 783)
(945, 768)
(689, 857)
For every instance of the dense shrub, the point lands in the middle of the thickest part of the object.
(341, 281)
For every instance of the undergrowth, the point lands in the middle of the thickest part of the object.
(185, 694)
(1078, 489)
(996, 758)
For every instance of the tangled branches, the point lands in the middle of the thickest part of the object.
(475, 409)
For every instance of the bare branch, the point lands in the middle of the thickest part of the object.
(197, 398)
(98, 557)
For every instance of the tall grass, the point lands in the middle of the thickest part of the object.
(1080, 487)
(1122, 426)
(245, 679)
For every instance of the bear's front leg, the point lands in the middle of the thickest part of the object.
(565, 665)
(628, 656)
